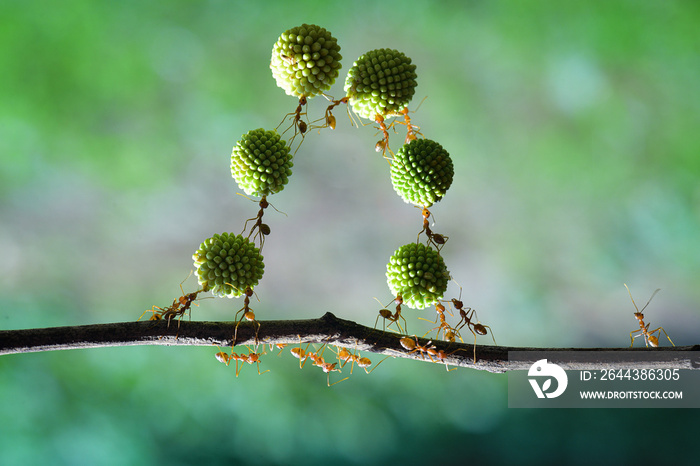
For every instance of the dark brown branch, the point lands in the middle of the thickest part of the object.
(328, 329)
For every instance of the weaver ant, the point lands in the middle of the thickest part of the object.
(449, 333)
(248, 315)
(392, 318)
(411, 130)
(649, 338)
(279, 346)
(412, 345)
(345, 356)
(177, 309)
(467, 315)
(251, 358)
(300, 353)
(300, 126)
(263, 228)
(434, 239)
(328, 117)
(383, 144)
(327, 367)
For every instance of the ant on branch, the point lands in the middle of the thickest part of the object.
(434, 239)
(345, 356)
(449, 333)
(392, 318)
(327, 367)
(177, 309)
(649, 338)
(248, 315)
(279, 346)
(412, 346)
(251, 358)
(303, 354)
(466, 316)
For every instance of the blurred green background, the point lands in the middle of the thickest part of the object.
(574, 131)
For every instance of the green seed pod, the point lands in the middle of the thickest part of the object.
(418, 274)
(261, 163)
(380, 82)
(421, 172)
(305, 60)
(227, 264)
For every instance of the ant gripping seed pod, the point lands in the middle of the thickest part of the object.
(380, 82)
(421, 172)
(418, 274)
(228, 264)
(305, 60)
(261, 163)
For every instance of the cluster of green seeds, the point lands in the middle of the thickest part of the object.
(261, 162)
(305, 60)
(418, 274)
(421, 172)
(227, 264)
(380, 82)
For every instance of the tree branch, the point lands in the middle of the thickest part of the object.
(330, 330)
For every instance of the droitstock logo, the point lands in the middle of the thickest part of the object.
(542, 369)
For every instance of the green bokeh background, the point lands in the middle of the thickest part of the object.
(574, 131)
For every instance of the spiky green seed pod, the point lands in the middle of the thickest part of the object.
(227, 264)
(380, 82)
(305, 60)
(261, 162)
(421, 172)
(418, 274)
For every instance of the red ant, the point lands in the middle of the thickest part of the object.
(300, 353)
(392, 318)
(299, 125)
(412, 346)
(383, 144)
(178, 308)
(434, 239)
(327, 367)
(649, 338)
(345, 356)
(263, 228)
(449, 333)
(248, 315)
(279, 346)
(467, 315)
(251, 358)
(328, 116)
(411, 130)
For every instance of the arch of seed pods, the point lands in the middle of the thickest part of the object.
(305, 63)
